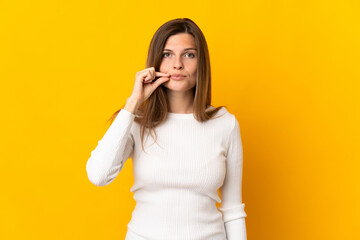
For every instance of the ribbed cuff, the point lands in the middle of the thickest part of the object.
(233, 212)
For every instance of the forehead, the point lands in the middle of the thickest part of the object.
(180, 41)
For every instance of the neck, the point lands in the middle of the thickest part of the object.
(180, 102)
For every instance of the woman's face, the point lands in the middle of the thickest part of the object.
(179, 57)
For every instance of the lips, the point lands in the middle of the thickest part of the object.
(177, 76)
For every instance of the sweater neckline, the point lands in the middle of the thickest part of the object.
(184, 115)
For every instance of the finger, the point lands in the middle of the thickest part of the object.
(148, 77)
(148, 81)
(160, 81)
(150, 68)
(158, 74)
(152, 72)
(145, 70)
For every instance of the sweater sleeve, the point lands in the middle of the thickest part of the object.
(112, 151)
(231, 190)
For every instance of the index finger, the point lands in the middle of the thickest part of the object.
(161, 74)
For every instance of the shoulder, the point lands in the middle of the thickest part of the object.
(232, 126)
(225, 120)
(226, 116)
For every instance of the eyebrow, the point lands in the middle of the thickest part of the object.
(184, 49)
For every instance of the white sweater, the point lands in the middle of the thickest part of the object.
(177, 178)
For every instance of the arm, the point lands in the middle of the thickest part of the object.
(231, 195)
(112, 151)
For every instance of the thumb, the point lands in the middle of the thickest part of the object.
(160, 81)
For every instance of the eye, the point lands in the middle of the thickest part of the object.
(192, 55)
(164, 54)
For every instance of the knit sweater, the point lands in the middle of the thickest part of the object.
(177, 178)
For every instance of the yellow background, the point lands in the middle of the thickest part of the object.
(288, 70)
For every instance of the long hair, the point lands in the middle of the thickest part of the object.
(153, 110)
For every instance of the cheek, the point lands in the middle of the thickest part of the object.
(163, 68)
(194, 71)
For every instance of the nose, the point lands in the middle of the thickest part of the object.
(178, 63)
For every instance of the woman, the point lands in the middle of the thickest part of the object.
(196, 151)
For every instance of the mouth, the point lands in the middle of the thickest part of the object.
(177, 76)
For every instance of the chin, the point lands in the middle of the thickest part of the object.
(177, 88)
